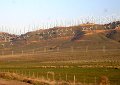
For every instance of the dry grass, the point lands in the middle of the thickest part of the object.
(104, 80)
(34, 81)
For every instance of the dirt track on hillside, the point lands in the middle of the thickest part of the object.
(12, 82)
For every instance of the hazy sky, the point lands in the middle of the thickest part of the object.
(24, 15)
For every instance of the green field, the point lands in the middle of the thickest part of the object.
(87, 67)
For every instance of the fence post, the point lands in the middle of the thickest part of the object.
(42, 78)
(74, 79)
(29, 74)
(104, 49)
(33, 51)
(84, 81)
(21, 72)
(22, 52)
(37, 75)
(53, 76)
(59, 76)
(8, 70)
(16, 71)
(66, 77)
(86, 49)
(72, 49)
(47, 75)
(12, 52)
(58, 49)
(33, 75)
(25, 73)
(2, 52)
(45, 50)
(95, 80)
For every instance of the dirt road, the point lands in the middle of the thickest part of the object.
(12, 82)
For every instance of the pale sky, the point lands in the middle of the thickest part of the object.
(25, 15)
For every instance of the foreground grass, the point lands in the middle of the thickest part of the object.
(89, 72)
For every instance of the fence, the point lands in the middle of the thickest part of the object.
(68, 77)
(71, 78)
(51, 76)
(57, 50)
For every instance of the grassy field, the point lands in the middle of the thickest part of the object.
(84, 62)
(87, 67)
(84, 72)
(99, 55)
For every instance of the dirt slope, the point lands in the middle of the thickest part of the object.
(12, 82)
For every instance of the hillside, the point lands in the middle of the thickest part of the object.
(6, 37)
(94, 36)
